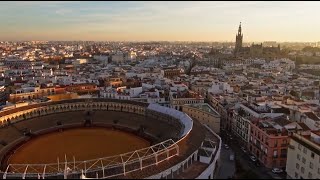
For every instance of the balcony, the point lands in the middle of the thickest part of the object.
(291, 147)
(276, 145)
(283, 155)
(284, 145)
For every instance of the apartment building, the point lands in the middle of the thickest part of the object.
(180, 98)
(304, 153)
(205, 114)
(31, 93)
(269, 141)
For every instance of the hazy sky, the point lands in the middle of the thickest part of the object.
(185, 21)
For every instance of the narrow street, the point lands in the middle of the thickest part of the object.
(227, 167)
(246, 163)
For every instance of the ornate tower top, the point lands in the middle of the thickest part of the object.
(239, 30)
(239, 37)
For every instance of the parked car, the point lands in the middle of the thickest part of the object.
(277, 170)
(243, 149)
(254, 159)
(231, 157)
(226, 146)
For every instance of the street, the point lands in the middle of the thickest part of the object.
(227, 167)
(246, 163)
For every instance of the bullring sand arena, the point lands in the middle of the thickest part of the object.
(80, 143)
(104, 138)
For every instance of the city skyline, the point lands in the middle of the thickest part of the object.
(159, 21)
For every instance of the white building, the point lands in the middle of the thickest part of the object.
(220, 88)
(134, 92)
(118, 58)
(304, 153)
(311, 120)
(80, 61)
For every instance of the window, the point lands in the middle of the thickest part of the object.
(284, 141)
(303, 160)
(312, 155)
(302, 170)
(299, 146)
(298, 156)
(297, 166)
(305, 150)
(296, 175)
(275, 153)
(310, 175)
(311, 165)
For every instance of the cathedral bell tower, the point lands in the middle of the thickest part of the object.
(239, 37)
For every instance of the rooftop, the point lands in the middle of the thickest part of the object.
(204, 107)
(307, 142)
(312, 116)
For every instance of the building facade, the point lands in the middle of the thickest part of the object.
(170, 72)
(268, 144)
(85, 88)
(205, 114)
(34, 93)
(304, 153)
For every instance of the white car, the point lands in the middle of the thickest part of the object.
(231, 157)
(226, 146)
(254, 159)
(243, 149)
(277, 170)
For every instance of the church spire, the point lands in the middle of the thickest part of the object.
(239, 37)
(239, 30)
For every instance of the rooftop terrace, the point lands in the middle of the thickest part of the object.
(205, 107)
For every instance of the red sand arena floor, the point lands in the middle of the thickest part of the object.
(82, 143)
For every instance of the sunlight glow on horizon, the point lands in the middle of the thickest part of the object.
(160, 21)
